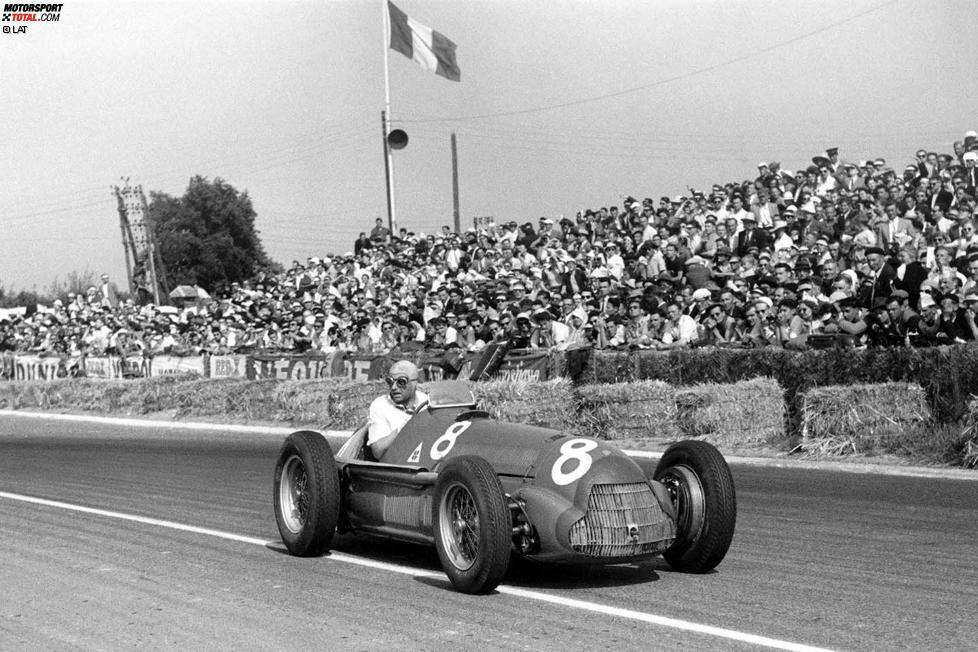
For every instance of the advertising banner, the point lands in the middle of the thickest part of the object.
(33, 367)
(227, 366)
(102, 367)
(135, 367)
(294, 367)
(361, 367)
(165, 365)
(524, 365)
(6, 366)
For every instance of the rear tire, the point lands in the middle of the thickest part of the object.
(702, 489)
(472, 524)
(307, 494)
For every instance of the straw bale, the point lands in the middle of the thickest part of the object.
(76, 393)
(969, 449)
(842, 419)
(307, 401)
(610, 366)
(642, 409)
(548, 403)
(749, 411)
(223, 397)
(349, 402)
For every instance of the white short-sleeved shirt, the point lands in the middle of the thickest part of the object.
(386, 418)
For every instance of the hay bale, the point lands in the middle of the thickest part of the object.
(643, 409)
(969, 436)
(549, 403)
(301, 401)
(845, 419)
(749, 411)
(349, 403)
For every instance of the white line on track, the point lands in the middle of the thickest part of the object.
(340, 435)
(527, 594)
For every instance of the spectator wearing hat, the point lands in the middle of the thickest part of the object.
(880, 276)
(750, 236)
(579, 330)
(909, 275)
(614, 261)
(574, 280)
(970, 162)
(780, 240)
(971, 313)
(697, 274)
(826, 182)
(547, 331)
(950, 325)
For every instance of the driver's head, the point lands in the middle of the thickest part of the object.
(403, 381)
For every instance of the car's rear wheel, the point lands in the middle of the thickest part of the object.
(307, 494)
(702, 490)
(473, 526)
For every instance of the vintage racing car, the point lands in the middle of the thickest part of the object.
(481, 489)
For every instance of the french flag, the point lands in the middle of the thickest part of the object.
(430, 49)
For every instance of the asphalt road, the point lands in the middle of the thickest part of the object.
(825, 559)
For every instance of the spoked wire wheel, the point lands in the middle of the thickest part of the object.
(294, 494)
(306, 494)
(473, 526)
(459, 526)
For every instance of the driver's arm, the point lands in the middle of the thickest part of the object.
(380, 431)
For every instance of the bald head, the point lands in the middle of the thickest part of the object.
(404, 368)
(403, 382)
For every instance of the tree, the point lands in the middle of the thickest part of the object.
(76, 282)
(208, 236)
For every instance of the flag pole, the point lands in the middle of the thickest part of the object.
(386, 118)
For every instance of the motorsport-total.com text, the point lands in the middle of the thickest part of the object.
(29, 13)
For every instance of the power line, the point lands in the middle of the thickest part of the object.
(661, 82)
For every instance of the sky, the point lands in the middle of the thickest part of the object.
(562, 105)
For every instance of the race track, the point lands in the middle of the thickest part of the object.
(116, 537)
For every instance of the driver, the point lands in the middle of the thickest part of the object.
(390, 412)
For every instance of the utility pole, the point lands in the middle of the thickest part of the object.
(455, 211)
(387, 174)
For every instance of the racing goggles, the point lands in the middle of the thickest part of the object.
(400, 382)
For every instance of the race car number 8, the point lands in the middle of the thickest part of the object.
(573, 454)
(444, 444)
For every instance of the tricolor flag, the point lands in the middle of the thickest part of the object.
(430, 49)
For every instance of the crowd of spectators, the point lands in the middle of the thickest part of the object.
(852, 252)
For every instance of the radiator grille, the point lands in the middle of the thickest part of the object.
(622, 520)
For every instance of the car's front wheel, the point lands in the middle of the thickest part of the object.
(702, 490)
(306, 494)
(473, 526)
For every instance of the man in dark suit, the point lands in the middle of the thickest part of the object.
(574, 280)
(971, 169)
(910, 274)
(882, 275)
(751, 236)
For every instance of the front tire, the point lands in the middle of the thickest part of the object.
(473, 525)
(307, 494)
(702, 489)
